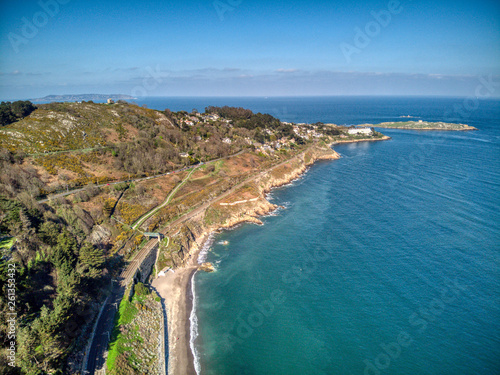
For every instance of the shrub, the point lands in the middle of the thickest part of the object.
(141, 289)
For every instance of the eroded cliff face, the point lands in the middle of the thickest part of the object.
(186, 242)
(284, 174)
(189, 237)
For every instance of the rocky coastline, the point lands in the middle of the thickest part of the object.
(176, 287)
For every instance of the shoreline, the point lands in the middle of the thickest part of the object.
(189, 308)
(175, 288)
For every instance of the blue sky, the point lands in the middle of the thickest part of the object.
(247, 47)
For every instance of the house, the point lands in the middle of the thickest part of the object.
(360, 131)
(227, 140)
(111, 101)
(184, 155)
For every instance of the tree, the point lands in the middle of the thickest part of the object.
(22, 109)
(6, 115)
(91, 256)
(63, 254)
(11, 112)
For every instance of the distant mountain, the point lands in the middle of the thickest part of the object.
(81, 97)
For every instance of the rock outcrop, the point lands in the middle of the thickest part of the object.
(207, 267)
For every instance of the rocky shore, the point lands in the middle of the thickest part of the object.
(383, 138)
(175, 287)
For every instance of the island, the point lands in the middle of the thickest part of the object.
(423, 125)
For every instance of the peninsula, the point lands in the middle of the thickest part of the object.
(423, 125)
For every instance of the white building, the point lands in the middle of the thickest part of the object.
(360, 131)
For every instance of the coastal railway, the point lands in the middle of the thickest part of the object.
(129, 272)
(95, 363)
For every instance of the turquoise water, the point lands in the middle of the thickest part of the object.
(383, 262)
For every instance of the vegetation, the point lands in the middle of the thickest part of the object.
(58, 275)
(12, 112)
(7, 242)
(244, 118)
(133, 346)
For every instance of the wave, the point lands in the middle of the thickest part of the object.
(193, 323)
(202, 257)
(277, 211)
(269, 196)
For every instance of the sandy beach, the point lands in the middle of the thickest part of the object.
(175, 290)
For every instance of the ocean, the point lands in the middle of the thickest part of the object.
(385, 261)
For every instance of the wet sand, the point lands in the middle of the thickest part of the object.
(175, 290)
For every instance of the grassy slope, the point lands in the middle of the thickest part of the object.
(127, 330)
(73, 126)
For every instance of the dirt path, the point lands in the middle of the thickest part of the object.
(141, 220)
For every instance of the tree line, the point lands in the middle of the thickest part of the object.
(59, 277)
(12, 112)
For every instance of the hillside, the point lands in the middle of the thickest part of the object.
(73, 144)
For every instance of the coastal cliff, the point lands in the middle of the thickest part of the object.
(246, 202)
(188, 238)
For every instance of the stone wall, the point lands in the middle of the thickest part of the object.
(146, 267)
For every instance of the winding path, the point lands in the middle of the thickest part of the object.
(141, 220)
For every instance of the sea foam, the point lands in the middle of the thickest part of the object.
(202, 257)
(193, 321)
